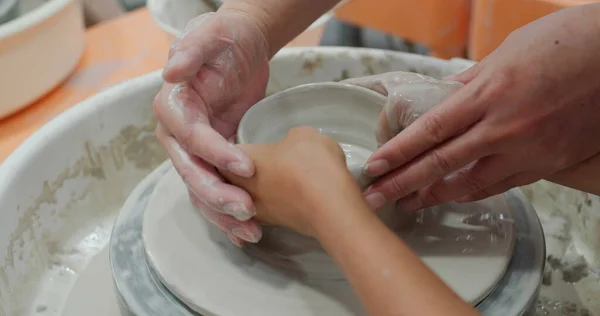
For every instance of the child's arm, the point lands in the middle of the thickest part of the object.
(302, 183)
(387, 275)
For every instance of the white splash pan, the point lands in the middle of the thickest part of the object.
(61, 189)
(37, 51)
(172, 16)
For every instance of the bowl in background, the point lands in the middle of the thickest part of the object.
(38, 50)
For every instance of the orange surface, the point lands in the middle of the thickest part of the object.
(492, 20)
(117, 50)
(441, 25)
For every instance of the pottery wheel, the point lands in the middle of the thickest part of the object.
(142, 293)
(468, 246)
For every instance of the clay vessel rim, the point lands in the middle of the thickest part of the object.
(305, 88)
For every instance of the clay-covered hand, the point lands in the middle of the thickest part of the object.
(295, 177)
(409, 95)
(217, 69)
(527, 111)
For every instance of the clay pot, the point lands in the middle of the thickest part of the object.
(345, 112)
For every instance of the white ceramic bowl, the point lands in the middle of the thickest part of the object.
(37, 51)
(348, 113)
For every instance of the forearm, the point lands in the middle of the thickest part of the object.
(281, 20)
(388, 277)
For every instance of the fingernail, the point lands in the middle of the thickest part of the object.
(377, 168)
(240, 169)
(176, 60)
(235, 241)
(375, 200)
(239, 211)
(245, 234)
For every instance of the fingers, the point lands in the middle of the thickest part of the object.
(191, 50)
(182, 112)
(205, 182)
(415, 201)
(410, 100)
(237, 231)
(478, 176)
(513, 181)
(431, 166)
(454, 115)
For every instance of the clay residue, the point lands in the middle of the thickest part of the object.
(367, 62)
(134, 146)
(548, 307)
(310, 65)
(343, 76)
(572, 271)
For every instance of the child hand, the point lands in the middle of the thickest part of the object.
(295, 177)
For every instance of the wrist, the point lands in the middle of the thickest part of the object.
(280, 21)
(256, 15)
(341, 205)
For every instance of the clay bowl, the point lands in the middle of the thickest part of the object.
(345, 112)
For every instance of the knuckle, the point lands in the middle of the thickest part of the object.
(440, 162)
(187, 137)
(504, 79)
(157, 105)
(399, 156)
(434, 128)
(471, 180)
(430, 197)
(399, 188)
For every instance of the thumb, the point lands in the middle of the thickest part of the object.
(197, 45)
(408, 102)
(465, 76)
(256, 153)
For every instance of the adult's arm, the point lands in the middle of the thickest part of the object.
(281, 20)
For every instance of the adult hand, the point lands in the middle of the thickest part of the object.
(216, 70)
(409, 95)
(293, 178)
(527, 111)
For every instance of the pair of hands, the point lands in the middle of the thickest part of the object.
(526, 112)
